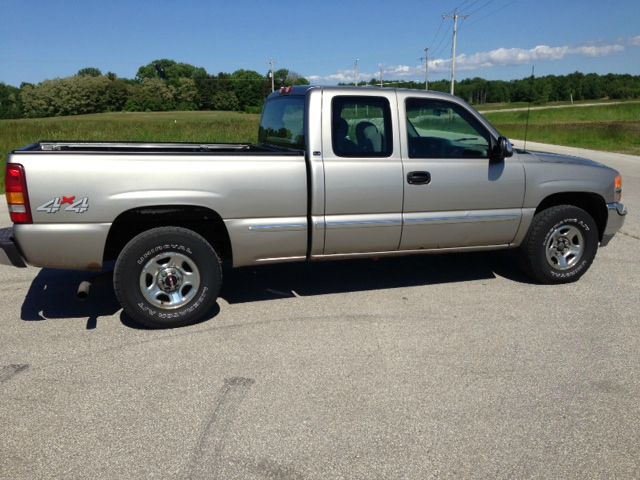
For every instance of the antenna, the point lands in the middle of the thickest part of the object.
(526, 126)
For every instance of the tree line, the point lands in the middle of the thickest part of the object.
(168, 85)
(538, 90)
(158, 86)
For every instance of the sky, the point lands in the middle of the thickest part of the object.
(499, 39)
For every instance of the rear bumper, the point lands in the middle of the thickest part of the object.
(615, 219)
(9, 252)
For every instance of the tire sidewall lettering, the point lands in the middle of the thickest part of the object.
(185, 310)
(160, 248)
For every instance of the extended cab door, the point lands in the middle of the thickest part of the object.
(362, 172)
(454, 195)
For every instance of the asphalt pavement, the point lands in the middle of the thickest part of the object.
(447, 366)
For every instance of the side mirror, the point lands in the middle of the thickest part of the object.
(501, 149)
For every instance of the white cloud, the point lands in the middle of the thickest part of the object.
(483, 60)
(540, 53)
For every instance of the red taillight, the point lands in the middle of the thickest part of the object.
(17, 196)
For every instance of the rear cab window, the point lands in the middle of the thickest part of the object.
(282, 122)
(361, 126)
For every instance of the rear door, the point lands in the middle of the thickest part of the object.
(363, 172)
(454, 195)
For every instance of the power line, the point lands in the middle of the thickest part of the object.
(462, 5)
(468, 6)
(437, 32)
(485, 4)
(475, 21)
(437, 49)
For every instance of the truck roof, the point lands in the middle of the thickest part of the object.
(303, 89)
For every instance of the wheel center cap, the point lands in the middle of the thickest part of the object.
(169, 279)
(562, 245)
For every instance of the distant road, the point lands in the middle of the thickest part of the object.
(524, 109)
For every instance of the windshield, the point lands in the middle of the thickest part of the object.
(282, 122)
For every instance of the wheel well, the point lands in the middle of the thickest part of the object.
(203, 221)
(592, 203)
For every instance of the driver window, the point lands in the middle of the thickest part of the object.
(441, 129)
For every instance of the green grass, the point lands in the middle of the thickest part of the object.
(211, 127)
(613, 128)
(501, 106)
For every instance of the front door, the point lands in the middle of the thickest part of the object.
(454, 195)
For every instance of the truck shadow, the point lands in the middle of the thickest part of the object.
(269, 282)
(52, 294)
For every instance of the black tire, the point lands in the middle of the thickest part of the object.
(557, 233)
(181, 274)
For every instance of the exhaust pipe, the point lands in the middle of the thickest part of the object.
(83, 290)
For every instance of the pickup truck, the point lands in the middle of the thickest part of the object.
(337, 173)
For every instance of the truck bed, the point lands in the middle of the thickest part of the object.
(148, 147)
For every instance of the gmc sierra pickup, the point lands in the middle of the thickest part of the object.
(337, 173)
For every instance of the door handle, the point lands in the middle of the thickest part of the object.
(418, 178)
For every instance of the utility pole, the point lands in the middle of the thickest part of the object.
(272, 74)
(381, 66)
(455, 18)
(356, 72)
(426, 68)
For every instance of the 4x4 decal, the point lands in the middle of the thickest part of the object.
(75, 206)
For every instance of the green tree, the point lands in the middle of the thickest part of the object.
(170, 71)
(89, 72)
(225, 101)
(10, 103)
(286, 77)
(65, 96)
(151, 95)
(116, 95)
(250, 87)
(186, 94)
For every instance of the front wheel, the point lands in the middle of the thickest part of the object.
(167, 277)
(561, 245)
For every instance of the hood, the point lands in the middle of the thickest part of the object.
(566, 159)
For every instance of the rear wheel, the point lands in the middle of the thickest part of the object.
(167, 277)
(561, 244)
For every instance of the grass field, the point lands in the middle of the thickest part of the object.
(502, 106)
(606, 127)
(223, 127)
(613, 128)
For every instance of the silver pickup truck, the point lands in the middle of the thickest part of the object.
(337, 173)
